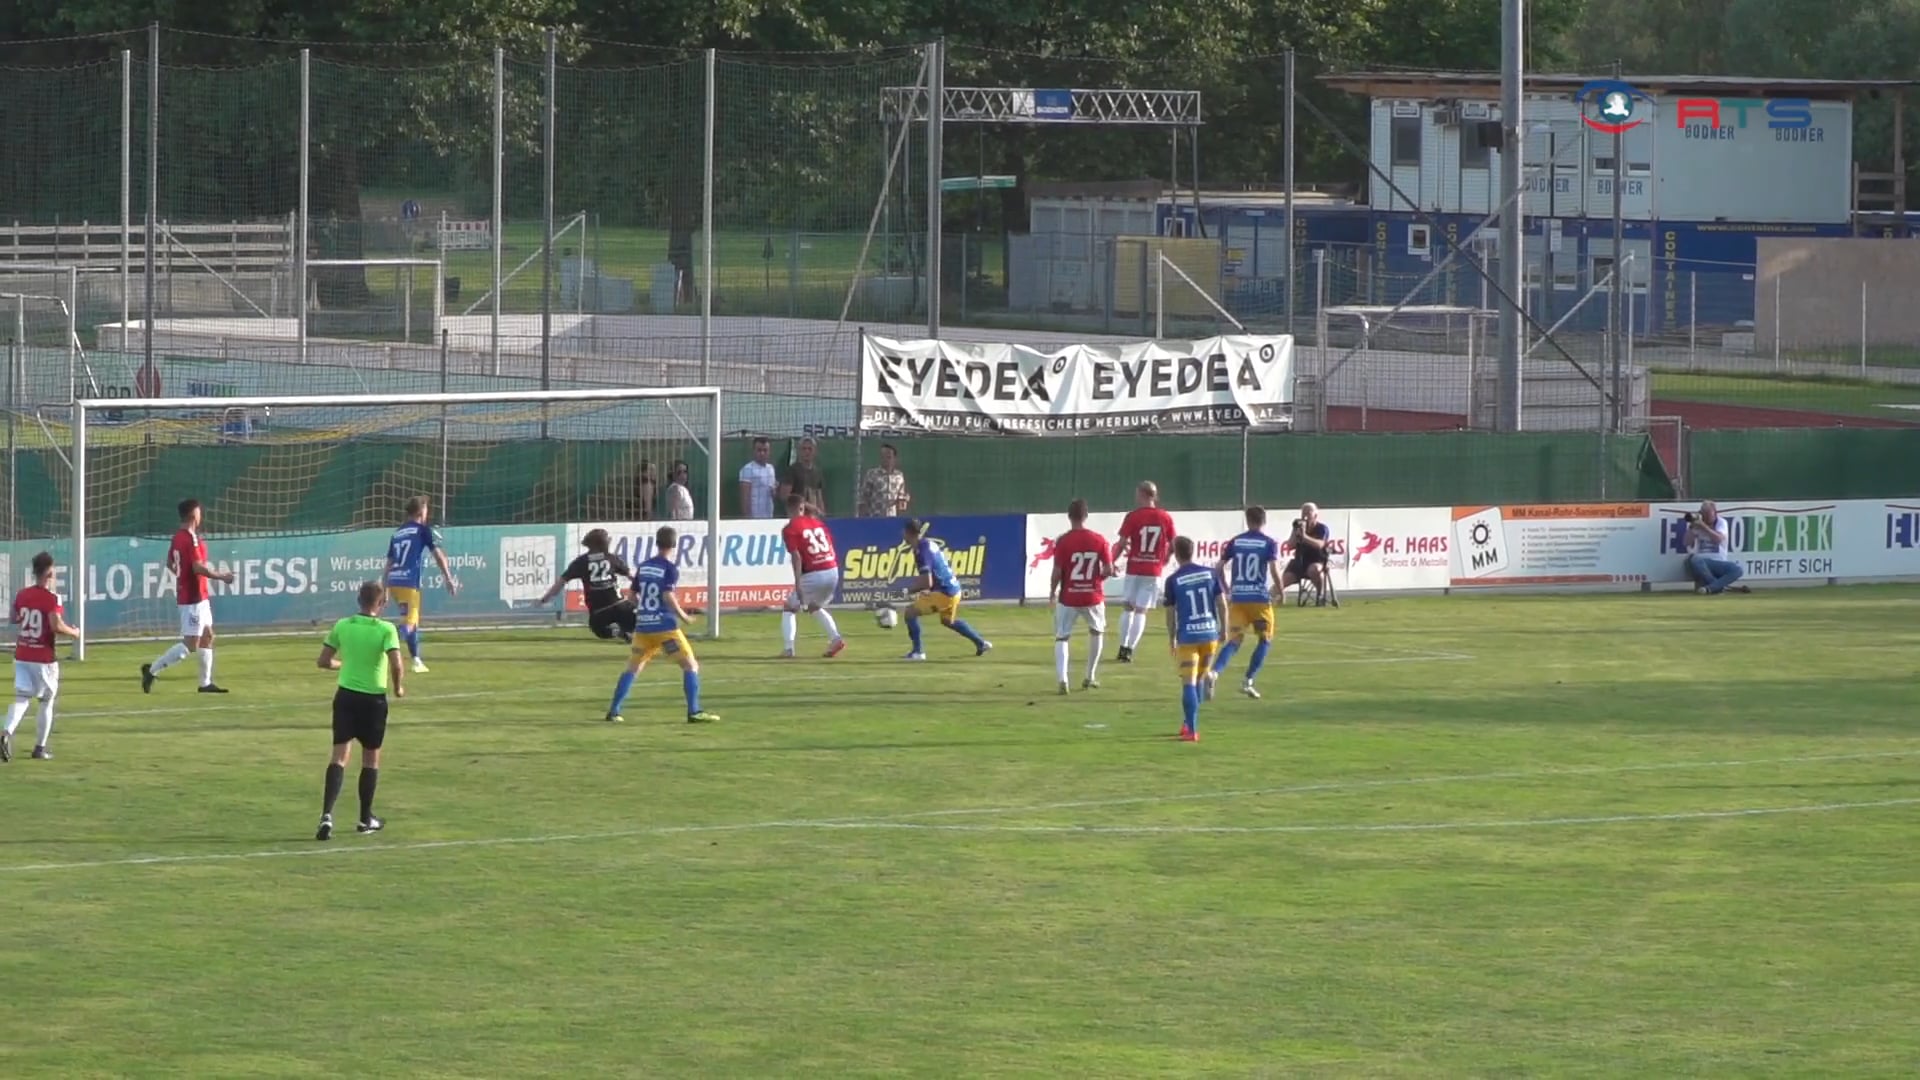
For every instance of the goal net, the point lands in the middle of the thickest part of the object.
(299, 496)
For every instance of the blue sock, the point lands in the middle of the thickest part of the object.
(959, 626)
(1190, 705)
(620, 691)
(1226, 655)
(1259, 658)
(913, 633)
(690, 681)
(411, 635)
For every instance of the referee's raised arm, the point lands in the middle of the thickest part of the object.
(365, 650)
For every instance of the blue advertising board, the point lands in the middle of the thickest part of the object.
(988, 555)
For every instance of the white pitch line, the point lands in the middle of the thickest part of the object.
(1353, 827)
(914, 819)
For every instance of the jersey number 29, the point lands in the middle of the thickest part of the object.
(33, 626)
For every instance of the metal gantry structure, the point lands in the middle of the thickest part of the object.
(1069, 106)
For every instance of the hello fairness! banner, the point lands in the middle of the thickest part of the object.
(290, 580)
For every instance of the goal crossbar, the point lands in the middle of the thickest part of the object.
(83, 406)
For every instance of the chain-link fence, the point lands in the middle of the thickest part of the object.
(196, 215)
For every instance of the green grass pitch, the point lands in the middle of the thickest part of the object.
(1627, 836)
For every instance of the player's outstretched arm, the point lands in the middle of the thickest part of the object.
(453, 583)
(329, 660)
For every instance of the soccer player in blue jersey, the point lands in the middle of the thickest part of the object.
(1251, 563)
(406, 551)
(657, 618)
(1194, 599)
(937, 592)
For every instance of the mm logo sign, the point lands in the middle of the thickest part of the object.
(1612, 107)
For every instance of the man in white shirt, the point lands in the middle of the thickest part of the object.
(1709, 543)
(758, 481)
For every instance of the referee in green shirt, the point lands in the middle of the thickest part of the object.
(365, 650)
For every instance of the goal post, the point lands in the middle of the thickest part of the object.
(298, 494)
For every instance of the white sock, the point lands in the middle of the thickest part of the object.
(1126, 627)
(1136, 629)
(1094, 644)
(206, 667)
(825, 619)
(789, 628)
(169, 658)
(16, 713)
(46, 722)
(1060, 660)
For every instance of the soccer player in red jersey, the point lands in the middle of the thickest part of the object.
(1081, 566)
(37, 617)
(816, 574)
(187, 560)
(1146, 539)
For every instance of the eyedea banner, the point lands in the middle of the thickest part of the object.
(970, 388)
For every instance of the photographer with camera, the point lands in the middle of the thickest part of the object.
(1310, 543)
(1708, 543)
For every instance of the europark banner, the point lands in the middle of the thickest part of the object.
(310, 580)
(971, 388)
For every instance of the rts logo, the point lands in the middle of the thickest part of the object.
(1613, 107)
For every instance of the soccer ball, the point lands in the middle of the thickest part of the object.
(887, 618)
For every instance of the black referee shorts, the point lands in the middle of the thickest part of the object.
(360, 718)
(609, 621)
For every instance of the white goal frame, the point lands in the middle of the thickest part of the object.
(710, 441)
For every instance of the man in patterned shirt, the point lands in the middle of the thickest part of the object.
(883, 490)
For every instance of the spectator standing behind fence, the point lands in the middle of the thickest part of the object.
(758, 481)
(805, 479)
(883, 490)
(646, 494)
(679, 494)
(1709, 543)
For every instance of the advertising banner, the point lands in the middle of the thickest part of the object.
(1403, 549)
(875, 565)
(1782, 541)
(1562, 544)
(966, 387)
(294, 580)
(1209, 529)
(754, 567)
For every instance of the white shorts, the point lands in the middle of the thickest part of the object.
(196, 619)
(816, 590)
(1140, 591)
(1064, 617)
(34, 679)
